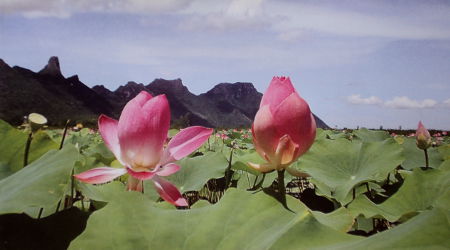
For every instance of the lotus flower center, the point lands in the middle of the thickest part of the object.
(142, 168)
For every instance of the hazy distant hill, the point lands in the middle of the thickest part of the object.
(48, 92)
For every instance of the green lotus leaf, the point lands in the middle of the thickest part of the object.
(415, 157)
(444, 150)
(240, 220)
(428, 230)
(340, 219)
(418, 193)
(342, 164)
(12, 147)
(195, 172)
(371, 135)
(42, 184)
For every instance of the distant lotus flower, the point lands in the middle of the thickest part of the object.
(423, 138)
(137, 140)
(444, 133)
(284, 127)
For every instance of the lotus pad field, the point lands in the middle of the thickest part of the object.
(367, 189)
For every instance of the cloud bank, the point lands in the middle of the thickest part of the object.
(398, 102)
(290, 20)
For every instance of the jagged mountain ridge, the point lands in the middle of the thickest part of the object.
(22, 91)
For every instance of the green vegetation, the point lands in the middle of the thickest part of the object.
(367, 189)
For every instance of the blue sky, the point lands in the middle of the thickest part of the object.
(357, 63)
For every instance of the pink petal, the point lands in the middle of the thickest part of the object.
(294, 118)
(279, 89)
(143, 127)
(286, 151)
(263, 168)
(108, 130)
(421, 130)
(169, 192)
(185, 142)
(265, 136)
(144, 175)
(100, 175)
(168, 169)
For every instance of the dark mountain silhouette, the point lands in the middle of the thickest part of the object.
(48, 92)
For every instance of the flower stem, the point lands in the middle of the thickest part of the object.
(282, 188)
(426, 159)
(64, 134)
(27, 149)
(228, 171)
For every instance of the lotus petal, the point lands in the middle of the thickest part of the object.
(185, 142)
(100, 175)
(169, 192)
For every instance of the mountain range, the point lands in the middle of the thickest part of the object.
(48, 92)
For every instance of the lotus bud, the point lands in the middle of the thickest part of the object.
(284, 127)
(423, 138)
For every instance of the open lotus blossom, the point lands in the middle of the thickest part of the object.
(137, 140)
(423, 137)
(284, 127)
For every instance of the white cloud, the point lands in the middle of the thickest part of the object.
(64, 9)
(403, 102)
(227, 15)
(357, 19)
(446, 103)
(288, 19)
(398, 102)
(357, 99)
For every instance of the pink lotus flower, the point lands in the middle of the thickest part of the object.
(444, 133)
(423, 138)
(137, 140)
(284, 127)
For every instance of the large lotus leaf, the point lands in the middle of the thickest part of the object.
(101, 153)
(195, 172)
(415, 157)
(342, 164)
(239, 221)
(330, 134)
(324, 190)
(39, 185)
(12, 147)
(419, 192)
(444, 150)
(371, 135)
(242, 157)
(428, 230)
(340, 219)
(105, 192)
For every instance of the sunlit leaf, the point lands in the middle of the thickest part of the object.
(195, 172)
(342, 164)
(40, 185)
(12, 148)
(418, 193)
